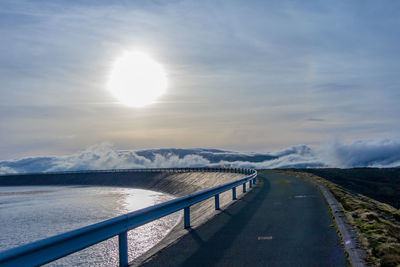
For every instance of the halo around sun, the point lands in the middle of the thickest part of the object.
(136, 79)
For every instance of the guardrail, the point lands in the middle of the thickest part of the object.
(53, 248)
(199, 169)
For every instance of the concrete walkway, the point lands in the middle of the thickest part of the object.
(282, 222)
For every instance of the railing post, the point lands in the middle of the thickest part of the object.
(217, 202)
(123, 249)
(234, 193)
(186, 215)
(244, 188)
(251, 183)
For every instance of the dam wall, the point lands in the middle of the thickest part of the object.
(176, 183)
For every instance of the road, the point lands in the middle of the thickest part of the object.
(282, 222)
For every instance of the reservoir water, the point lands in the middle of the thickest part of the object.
(30, 213)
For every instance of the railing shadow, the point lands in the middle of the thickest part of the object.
(214, 247)
(205, 246)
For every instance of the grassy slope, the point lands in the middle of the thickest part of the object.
(380, 184)
(377, 223)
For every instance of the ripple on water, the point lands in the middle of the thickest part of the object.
(30, 213)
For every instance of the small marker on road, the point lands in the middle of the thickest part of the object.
(265, 238)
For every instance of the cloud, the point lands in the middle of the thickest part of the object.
(56, 55)
(315, 119)
(382, 152)
(359, 153)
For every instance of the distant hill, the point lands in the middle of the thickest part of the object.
(103, 157)
(377, 183)
(361, 153)
(212, 155)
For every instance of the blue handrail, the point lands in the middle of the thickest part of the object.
(53, 248)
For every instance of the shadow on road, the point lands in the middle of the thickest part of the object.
(269, 226)
(215, 246)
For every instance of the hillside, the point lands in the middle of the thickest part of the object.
(380, 184)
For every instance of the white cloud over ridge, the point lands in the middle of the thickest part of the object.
(360, 153)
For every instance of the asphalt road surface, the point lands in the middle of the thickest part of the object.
(282, 222)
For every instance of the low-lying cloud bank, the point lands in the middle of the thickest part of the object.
(360, 153)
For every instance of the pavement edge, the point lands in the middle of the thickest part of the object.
(349, 237)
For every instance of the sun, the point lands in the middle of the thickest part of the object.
(136, 79)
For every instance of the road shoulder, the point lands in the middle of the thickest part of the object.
(355, 253)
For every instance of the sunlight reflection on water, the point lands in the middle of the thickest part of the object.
(29, 213)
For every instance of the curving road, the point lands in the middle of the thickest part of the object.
(282, 222)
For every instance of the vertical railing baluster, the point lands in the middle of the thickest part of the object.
(123, 249)
(186, 215)
(244, 188)
(234, 193)
(251, 183)
(217, 202)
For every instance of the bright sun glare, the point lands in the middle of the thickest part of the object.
(136, 79)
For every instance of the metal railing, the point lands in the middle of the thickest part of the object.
(53, 248)
(175, 170)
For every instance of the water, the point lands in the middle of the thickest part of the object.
(29, 213)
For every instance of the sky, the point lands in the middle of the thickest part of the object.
(242, 75)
